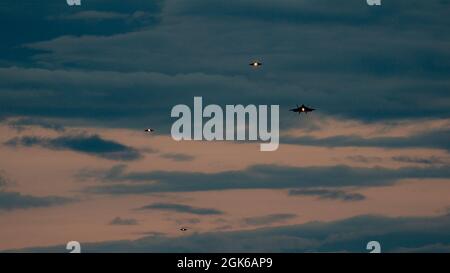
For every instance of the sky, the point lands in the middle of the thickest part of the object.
(79, 84)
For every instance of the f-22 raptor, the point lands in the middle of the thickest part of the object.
(302, 109)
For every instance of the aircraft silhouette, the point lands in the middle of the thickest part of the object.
(302, 109)
(255, 64)
(149, 130)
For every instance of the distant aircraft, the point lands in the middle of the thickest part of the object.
(149, 130)
(255, 64)
(302, 109)
(183, 229)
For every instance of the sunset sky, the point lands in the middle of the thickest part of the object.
(78, 86)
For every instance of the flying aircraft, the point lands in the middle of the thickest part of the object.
(183, 229)
(255, 64)
(149, 130)
(302, 109)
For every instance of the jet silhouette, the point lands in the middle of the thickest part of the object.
(149, 130)
(302, 109)
(255, 64)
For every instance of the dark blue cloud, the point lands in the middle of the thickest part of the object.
(346, 59)
(421, 160)
(10, 200)
(16, 200)
(329, 194)
(41, 20)
(254, 177)
(178, 157)
(181, 208)
(407, 234)
(430, 139)
(351, 12)
(364, 159)
(82, 143)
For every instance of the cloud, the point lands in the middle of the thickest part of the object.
(329, 194)
(178, 157)
(432, 248)
(254, 177)
(93, 15)
(437, 139)
(78, 101)
(320, 12)
(16, 200)
(118, 221)
(318, 57)
(181, 209)
(34, 21)
(97, 16)
(405, 234)
(82, 143)
(420, 160)
(189, 221)
(20, 123)
(87, 174)
(268, 219)
(364, 159)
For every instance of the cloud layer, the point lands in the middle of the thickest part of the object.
(329, 194)
(181, 209)
(256, 177)
(406, 234)
(15, 200)
(83, 143)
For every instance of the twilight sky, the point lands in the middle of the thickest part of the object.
(79, 84)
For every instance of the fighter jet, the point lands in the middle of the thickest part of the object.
(149, 130)
(302, 109)
(255, 64)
